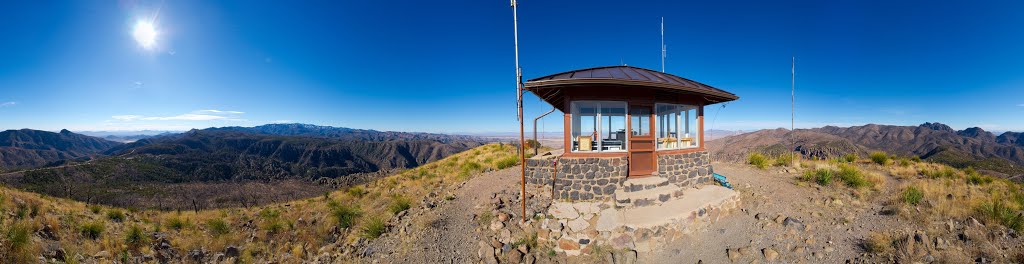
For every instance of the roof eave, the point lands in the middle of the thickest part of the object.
(721, 96)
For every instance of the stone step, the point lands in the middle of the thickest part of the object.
(693, 204)
(646, 197)
(645, 183)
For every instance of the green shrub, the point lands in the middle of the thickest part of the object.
(912, 195)
(33, 209)
(915, 159)
(356, 191)
(374, 228)
(177, 223)
(785, 159)
(471, 166)
(978, 179)
(268, 213)
(92, 230)
(506, 162)
(17, 236)
(95, 209)
(852, 176)
(345, 215)
(998, 212)
(399, 204)
(850, 158)
(134, 237)
(904, 163)
(944, 172)
(21, 211)
(273, 226)
(758, 160)
(217, 227)
(879, 157)
(822, 177)
(115, 215)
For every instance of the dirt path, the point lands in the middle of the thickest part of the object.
(446, 233)
(835, 222)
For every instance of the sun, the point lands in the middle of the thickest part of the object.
(145, 34)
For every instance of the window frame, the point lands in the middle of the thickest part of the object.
(598, 125)
(680, 117)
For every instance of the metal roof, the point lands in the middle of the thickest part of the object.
(546, 87)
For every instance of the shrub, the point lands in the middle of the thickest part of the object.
(95, 209)
(758, 160)
(852, 176)
(17, 236)
(904, 163)
(356, 191)
(177, 223)
(115, 215)
(92, 230)
(821, 176)
(850, 158)
(912, 195)
(33, 209)
(374, 228)
(998, 212)
(506, 162)
(944, 172)
(877, 243)
(134, 237)
(915, 159)
(399, 204)
(879, 157)
(471, 166)
(785, 159)
(217, 227)
(978, 179)
(345, 215)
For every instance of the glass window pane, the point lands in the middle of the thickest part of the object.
(690, 127)
(667, 125)
(640, 120)
(584, 126)
(613, 126)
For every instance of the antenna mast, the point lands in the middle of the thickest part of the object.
(792, 109)
(662, 44)
(519, 105)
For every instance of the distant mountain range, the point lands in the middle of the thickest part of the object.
(98, 170)
(32, 148)
(1001, 155)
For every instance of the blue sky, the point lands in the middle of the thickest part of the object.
(447, 66)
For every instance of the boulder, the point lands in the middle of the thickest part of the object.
(563, 211)
(770, 254)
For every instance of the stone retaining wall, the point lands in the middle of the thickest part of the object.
(687, 169)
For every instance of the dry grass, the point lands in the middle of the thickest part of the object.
(87, 229)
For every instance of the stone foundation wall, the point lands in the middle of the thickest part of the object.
(685, 170)
(539, 172)
(589, 179)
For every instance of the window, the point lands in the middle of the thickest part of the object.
(677, 126)
(598, 126)
(640, 118)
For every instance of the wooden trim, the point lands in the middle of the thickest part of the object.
(595, 154)
(678, 151)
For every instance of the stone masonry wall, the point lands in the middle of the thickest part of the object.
(688, 169)
(589, 179)
(578, 179)
(539, 172)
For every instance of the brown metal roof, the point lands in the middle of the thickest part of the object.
(547, 87)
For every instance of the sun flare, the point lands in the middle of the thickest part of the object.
(145, 34)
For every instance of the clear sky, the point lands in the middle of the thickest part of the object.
(447, 66)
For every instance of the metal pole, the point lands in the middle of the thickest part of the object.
(536, 148)
(662, 44)
(792, 109)
(519, 104)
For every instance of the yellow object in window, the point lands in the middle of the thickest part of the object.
(585, 142)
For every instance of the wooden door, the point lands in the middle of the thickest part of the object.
(641, 141)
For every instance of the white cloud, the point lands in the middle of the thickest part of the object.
(6, 104)
(219, 112)
(199, 115)
(1021, 105)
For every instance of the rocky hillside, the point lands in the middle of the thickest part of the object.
(185, 166)
(973, 147)
(32, 148)
(345, 133)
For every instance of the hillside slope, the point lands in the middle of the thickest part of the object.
(972, 147)
(32, 148)
(215, 168)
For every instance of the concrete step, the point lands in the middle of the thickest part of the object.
(646, 197)
(693, 204)
(645, 183)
